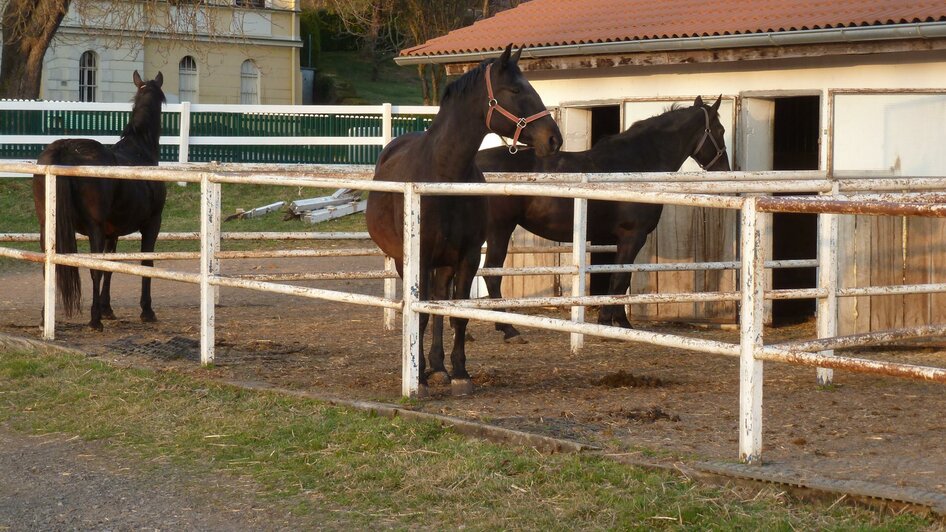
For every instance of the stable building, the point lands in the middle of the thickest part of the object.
(855, 88)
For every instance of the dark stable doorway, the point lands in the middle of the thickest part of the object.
(605, 120)
(795, 236)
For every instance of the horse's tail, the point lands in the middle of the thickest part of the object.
(67, 277)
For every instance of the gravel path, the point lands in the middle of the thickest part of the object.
(54, 482)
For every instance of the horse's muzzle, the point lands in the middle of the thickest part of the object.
(545, 139)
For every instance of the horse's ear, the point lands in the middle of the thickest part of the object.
(159, 79)
(515, 57)
(504, 58)
(715, 106)
(137, 79)
(698, 101)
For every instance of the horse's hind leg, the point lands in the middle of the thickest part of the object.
(149, 237)
(111, 243)
(439, 289)
(628, 247)
(497, 246)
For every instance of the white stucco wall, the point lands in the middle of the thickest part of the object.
(872, 132)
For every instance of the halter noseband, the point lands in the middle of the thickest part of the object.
(521, 123)
(707, 135)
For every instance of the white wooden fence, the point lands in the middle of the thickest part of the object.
(839, 197)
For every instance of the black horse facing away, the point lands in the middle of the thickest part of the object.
(105, 209)
(658, 144)
(494, 96)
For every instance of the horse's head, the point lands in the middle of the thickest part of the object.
(515, 109)
(149, 91)
(710, 151)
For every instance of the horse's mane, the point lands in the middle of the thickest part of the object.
(465, 82)
(146, 107)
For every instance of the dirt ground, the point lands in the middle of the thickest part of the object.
(633, 399)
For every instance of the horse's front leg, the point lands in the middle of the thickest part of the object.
(97, 245)
(149, 237)
(462, 383)
(629, 245)
(439, 290)
(111, 244)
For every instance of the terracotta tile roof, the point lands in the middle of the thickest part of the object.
(541, 23)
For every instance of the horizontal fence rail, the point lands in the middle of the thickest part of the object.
(873, 196)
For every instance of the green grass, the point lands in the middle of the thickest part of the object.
(352, 74)
(322, 460)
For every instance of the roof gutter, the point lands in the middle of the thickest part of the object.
(921, 30)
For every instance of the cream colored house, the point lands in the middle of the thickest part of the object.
(231, 52)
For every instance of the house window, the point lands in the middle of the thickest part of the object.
(249, 83)
(251, 3)
(87, 76)
(187, 69)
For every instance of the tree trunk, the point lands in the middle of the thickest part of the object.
(373, 38)
(28, 28)
(424, 85)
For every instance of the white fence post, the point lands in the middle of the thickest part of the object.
(752, 286)
(183, 149)
(579, 261)
(390, 285)
(410, 319)
(827, 312)
(209, 246)
(49, 267)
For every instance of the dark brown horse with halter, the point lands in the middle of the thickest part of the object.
(494, 96)
(657, 144)
(105, 209)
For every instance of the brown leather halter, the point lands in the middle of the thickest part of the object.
(707, 135)
(521, 123)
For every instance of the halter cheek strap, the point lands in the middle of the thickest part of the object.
(493, 104)
(707, 135)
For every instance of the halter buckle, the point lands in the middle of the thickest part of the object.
(521, 124)
(492, 102)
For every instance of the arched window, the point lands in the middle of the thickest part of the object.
(187, 70)
(88, 76)
(249, 83)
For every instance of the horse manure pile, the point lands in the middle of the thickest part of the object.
(622, 379)
(651, 415)
(176, 348)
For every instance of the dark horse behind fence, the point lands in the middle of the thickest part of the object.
(658, 144)
(105, 209)
(493, 96)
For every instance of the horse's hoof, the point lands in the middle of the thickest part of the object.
(438, 378)
(148, 317)
(108, 315)
(96, 326)
(461, 387)
(517, 339)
